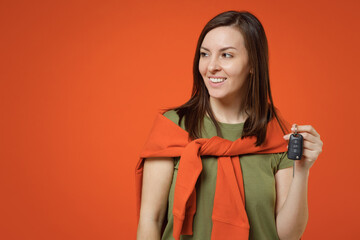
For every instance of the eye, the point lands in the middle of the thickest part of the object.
(202, 54)
(227, 55)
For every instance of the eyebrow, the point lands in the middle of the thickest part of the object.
(222, 49)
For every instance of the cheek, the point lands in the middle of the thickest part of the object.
(235, 69)
(202, 68)
(231, 67)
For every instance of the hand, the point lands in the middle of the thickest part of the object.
(312, 146)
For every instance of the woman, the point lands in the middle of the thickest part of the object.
(231, 99)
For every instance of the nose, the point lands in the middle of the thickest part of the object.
(214, 65)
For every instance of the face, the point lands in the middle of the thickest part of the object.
(223, 63)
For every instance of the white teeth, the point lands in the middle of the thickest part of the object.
(217, 80)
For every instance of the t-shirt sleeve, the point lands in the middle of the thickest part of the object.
(172, 115)
(282, 161)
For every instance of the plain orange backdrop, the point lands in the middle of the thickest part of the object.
(81, 82)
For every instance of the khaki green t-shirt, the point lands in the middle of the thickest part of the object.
(259, 183)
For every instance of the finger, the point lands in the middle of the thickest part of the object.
(309, 137)
(306, 136)
(312, 155)
(306, 128)
(287, 136)
(310, 146)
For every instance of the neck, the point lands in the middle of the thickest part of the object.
(227, 110)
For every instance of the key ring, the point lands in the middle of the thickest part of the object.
(295, 127)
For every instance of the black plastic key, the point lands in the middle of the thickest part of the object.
(295, 147)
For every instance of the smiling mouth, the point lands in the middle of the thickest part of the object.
(217, 80)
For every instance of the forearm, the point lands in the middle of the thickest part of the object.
(148, 230)
(293, 216)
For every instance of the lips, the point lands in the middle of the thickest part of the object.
(217, 79)
(216, 82)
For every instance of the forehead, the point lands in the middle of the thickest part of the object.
(223, 36)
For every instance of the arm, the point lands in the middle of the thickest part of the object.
(157, 177)
(292, 205)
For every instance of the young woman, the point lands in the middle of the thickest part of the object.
(231, 99)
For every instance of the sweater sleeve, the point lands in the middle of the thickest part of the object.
(172, 115)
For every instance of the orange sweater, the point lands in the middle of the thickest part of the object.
(229, 217)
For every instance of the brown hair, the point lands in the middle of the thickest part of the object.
(257, 103)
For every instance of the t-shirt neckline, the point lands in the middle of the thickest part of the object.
(227, 125)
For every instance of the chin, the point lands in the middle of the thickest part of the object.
(217, 96)
(218, 93)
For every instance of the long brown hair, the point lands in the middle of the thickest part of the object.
(257, 103)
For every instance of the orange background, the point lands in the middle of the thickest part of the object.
(81, 81)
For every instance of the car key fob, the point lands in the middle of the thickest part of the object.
(295, 147)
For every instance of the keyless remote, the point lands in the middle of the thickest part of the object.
(295, 147)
